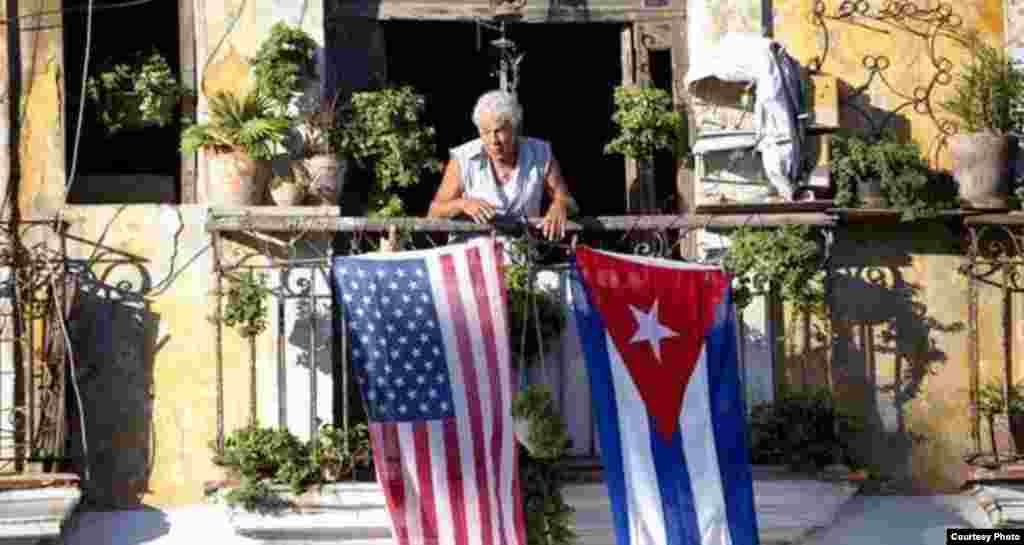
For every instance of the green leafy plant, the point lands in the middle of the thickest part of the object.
(256, 453)
(244, 124)
(247, 304)
(548, 436)
(988, 91)
(254, 495)
(385, 128)
(907, 182)
(340, 454)
(786, 257)
(803, 429)
(137, 93)
(992, 400)
(646, 121)
(283, 62)
(548, 516)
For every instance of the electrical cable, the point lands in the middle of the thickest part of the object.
(74, 384)
(81, 102)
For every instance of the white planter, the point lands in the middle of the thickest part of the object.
(338, 512)
(30, 515)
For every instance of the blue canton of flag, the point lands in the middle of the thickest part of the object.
(397, 351)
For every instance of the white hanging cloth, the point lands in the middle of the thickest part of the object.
(747, 57)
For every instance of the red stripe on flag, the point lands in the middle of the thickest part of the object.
(387, 458)
(470, 385)
(486, 318)
(428, 513)
(456, 492)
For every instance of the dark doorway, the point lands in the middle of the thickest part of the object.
(567, 80)
(128, 166)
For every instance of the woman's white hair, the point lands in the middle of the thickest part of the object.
(505, 107)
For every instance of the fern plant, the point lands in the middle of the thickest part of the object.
(245, 123)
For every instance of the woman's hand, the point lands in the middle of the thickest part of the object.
(481, 211)
(553, 225)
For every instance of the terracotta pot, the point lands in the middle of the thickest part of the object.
(981, 164)
(236, 179)
(324, 176)
(288, 194)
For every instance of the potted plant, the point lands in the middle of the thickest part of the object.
(886, 173)
(993, 401)
(288, 190)
(241, 135)
(320, 166)
(803, 429)
(647, 123)
(136, 94)
(284, 65)
(247, 306)
(987, 99)
(384, 130)
(339, 455)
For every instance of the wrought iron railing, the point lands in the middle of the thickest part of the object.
(295, 252)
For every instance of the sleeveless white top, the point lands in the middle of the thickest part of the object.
(521, 195)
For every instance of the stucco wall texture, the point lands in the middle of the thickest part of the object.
(151, 409)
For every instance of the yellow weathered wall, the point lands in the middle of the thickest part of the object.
(42, 110)
(150, 406)
(911, 65)
(152, 409)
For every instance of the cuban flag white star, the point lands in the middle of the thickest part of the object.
(649, 329)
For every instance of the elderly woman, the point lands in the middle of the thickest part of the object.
(502, 174)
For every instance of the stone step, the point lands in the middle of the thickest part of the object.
(355, 513)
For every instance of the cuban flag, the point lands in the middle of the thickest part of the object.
(659, 339)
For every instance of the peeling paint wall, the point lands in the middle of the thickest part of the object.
(42, 110)
(150, 351)
(912, 64)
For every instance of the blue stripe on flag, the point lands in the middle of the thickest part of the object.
(681, 524)
(728, 417)
(602, 392)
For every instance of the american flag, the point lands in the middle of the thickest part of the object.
(430, 351)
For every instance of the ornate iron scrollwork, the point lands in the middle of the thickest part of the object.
(929, 25)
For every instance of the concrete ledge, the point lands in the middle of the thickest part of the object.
(788, 510)
(29, 515)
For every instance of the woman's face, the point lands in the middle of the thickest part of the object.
(498, 137)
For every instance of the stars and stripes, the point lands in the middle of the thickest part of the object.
(430, 352)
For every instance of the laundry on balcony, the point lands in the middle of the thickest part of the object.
(779, 120)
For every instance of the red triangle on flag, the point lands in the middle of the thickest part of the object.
(657, 317)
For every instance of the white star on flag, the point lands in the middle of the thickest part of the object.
(649, 329)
